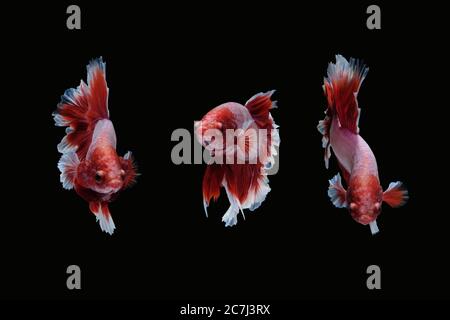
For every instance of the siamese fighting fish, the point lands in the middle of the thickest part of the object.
(89, 163)
(243, 141)
(364, 195)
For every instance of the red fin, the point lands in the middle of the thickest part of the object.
(341, 89)
(94, 206)
(244, 181)
(101, 211)
(259, 106)
(81, 108)
(396, 194)
(246, 186)
(129, 166)
(212, 182)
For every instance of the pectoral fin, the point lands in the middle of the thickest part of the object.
(396, 194)
(337, 193)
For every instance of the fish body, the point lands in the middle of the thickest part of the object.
(89, 163)
(364, 194)
(244, 158)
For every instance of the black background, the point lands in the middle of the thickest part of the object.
(167, 65)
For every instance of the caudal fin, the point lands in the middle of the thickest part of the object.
(341, 88)
(81, 108)
(247, 187)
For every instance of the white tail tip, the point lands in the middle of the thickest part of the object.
(373, 227)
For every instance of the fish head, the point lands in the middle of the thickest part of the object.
(211, 130)
(102, 173)
(364, 197)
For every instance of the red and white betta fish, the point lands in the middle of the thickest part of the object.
(247, 155)
(356, 160)
(89, 161)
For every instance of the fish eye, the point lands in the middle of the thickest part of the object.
(209, 141)
(98, 177)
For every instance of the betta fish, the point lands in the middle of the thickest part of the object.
(241, 162)
(364, 194)
(89, 162)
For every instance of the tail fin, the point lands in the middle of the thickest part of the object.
(247, 187)
(81, 108)
(341, 89)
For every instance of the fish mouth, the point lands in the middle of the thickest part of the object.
(365, 219)
(109, 190)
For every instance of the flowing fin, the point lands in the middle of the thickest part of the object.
(257, 193)
(230, 217)
(341, 88)
(396, 194)
(81, 108)
(101, 211)
(336, 192)
(68, 165)
(212, 181)
(259, 106)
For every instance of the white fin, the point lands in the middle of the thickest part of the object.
(60, 121)
(93, 65)
(230, 217)
(67, 165)
(336, 192)
(396, 185)
(359, 115)
(256, 198)
(105, 220)
(127, 155)
(373, 227)
(205, 206)
(275, 143)
(351, 68)
(65, 147)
